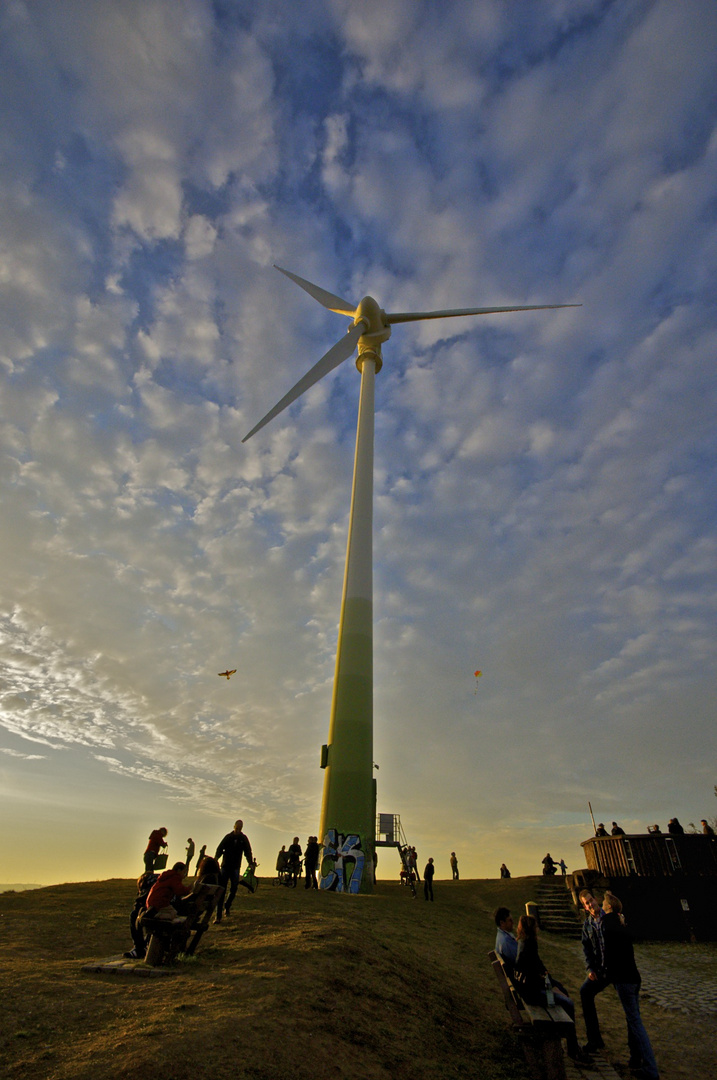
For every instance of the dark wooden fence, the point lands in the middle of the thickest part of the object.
(652, 855)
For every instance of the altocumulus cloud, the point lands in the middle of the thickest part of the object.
(545, 483)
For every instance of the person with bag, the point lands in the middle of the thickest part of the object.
(151, 854)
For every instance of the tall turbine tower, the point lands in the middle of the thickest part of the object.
(348, 811)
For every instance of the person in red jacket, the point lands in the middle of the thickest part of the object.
(155, 842)
(169, 884)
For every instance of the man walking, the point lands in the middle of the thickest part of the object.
(230, 849)
(594, 953)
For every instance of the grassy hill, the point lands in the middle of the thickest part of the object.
(296, 984)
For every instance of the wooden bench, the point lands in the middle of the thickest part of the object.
(169, 937)
(541, 1029)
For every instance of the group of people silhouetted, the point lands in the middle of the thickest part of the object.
(164, 893)
(289, 862)
(674, 828)
(550, 866)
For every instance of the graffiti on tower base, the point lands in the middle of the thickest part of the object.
(343, 862)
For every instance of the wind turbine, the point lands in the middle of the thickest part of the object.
(348, 811)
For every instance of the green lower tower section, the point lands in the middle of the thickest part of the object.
(348, 811)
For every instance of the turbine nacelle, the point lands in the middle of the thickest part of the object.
(370, 315)
(371, 327)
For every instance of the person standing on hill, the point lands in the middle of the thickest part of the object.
(454, 865)
(311, 862)
(230, 849)
(413, 860)
(428, 880)
(155, 842)
(190, 854)
(200, 857)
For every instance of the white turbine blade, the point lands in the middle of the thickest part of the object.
(333, 303)
(335, 356)
(417, 316)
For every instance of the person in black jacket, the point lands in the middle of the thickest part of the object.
(530, 975)
(428, 880)
(311, 862)
(230, 850)
(144, 884)
(623, 974)
(597, 980)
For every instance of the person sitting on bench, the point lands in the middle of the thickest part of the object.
(195, 902)
(530, 978)
(169, 885)
(506, 945)
(144, 884)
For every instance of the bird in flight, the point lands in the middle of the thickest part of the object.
(227, 674)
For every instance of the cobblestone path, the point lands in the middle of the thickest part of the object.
(679, 976)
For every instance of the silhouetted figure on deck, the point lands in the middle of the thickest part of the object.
(707, 830)
(601, 830)
(616, 830)
(674, 827)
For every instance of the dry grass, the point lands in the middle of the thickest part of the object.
(299, 984)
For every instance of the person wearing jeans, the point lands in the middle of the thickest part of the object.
(597, 980)
(623, 974)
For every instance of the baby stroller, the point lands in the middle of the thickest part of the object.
(288, 871)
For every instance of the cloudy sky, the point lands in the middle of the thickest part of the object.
(545, 501)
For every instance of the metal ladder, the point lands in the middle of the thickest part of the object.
(673, 854)
(629, 858)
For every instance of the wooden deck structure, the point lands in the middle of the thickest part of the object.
(652, 855)
(667, 883)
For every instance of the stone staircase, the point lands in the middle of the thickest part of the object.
(555, 905)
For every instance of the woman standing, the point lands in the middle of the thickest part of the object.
(530, 973)
(623, 974)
